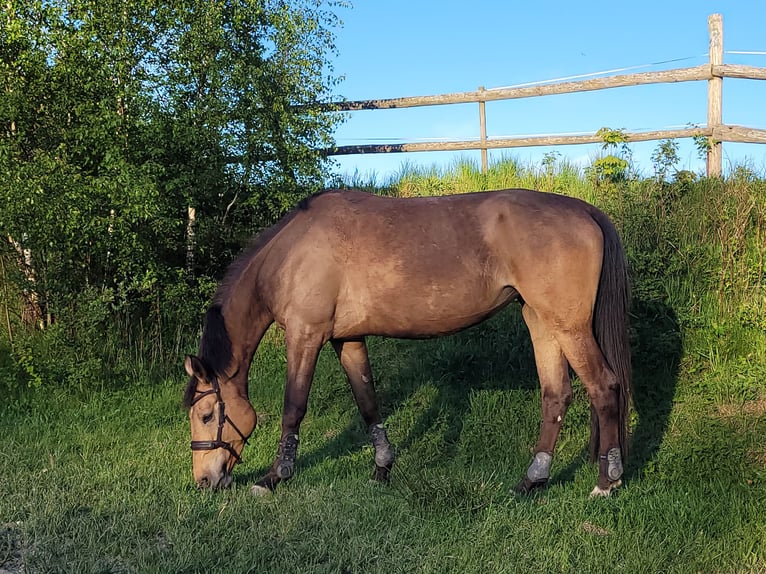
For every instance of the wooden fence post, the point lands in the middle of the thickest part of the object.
(483, 132)
(714, 93)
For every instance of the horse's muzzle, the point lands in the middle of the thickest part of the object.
(221, 479)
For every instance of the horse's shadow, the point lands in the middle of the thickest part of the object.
(657, 350)
(497, 356)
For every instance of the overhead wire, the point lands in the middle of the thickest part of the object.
(601, 73)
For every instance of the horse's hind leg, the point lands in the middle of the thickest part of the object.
(600, 382)
(356, 363)
(556, 391)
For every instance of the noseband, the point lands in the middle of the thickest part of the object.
(222, 419)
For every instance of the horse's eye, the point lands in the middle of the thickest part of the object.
(207, 418)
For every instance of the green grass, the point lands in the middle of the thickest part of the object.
(98, 478)
(102, 483)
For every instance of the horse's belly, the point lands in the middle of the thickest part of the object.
(419, 315)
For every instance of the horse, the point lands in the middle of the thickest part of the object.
(346, 264)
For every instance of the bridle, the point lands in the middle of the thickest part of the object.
(222, 419)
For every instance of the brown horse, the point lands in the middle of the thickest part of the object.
(347, 264)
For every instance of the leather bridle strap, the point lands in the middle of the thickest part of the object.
(223, 418)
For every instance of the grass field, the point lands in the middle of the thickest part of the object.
(99, 480)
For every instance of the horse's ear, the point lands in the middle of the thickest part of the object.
(194, 367)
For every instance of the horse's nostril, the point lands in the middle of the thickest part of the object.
(204, 482)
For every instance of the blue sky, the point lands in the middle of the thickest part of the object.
(397, 48)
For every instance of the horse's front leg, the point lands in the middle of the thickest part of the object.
(356, 364)
(302, 354)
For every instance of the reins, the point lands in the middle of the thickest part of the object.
(222, 419)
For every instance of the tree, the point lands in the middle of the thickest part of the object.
(118, 120)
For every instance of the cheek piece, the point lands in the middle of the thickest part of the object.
(222, 420)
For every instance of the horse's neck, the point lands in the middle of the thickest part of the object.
(246, 322)
(246, 318)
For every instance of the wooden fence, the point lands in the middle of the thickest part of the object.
(716, 131)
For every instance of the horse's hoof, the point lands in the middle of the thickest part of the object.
(598, 491)
(266, 484)
(381, 474)
(527, 486)
(258, 490)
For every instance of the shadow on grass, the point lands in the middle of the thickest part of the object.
(497, 356)
(657, 350)
(494, 355)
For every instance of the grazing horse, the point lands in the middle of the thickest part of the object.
(347, 264)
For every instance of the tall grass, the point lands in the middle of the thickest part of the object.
(465, 176)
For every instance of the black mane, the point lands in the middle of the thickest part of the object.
(214, 350)
(215, 345)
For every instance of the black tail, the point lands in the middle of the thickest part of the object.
(610, 327)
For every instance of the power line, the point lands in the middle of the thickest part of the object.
(592, 74)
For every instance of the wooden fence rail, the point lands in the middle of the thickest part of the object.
(715, 130)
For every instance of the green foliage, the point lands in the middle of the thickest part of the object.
(609, 168)
(103, 483)
(612, 167)
(549, 162)
(115, 120)
(665, 158)
(701, 143)
(614, 139)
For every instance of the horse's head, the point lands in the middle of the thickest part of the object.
(222, 419)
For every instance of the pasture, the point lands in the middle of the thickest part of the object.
(99, 479)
